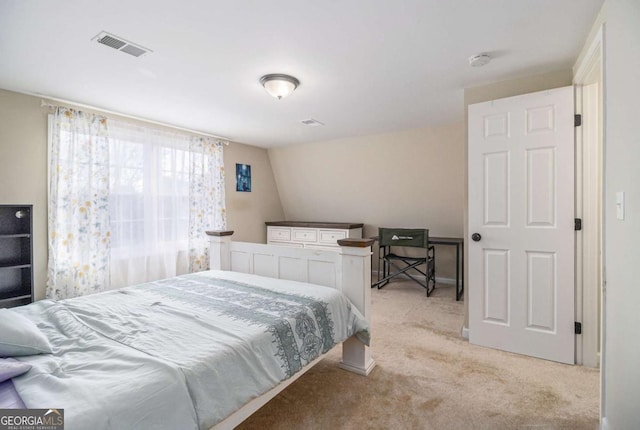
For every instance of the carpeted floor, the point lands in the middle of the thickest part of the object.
(428, 377)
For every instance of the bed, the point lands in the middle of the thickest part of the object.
(200, 351)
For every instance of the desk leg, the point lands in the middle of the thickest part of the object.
(373, 284)
(462, 269)
(457, 272)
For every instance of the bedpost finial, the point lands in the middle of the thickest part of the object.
(219, 232)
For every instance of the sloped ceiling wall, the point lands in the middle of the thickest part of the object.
(413, 178)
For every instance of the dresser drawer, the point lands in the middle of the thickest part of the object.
(279, 234)
(304, 234)
(317, 235)
(331, 236)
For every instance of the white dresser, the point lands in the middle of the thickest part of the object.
(319, 235)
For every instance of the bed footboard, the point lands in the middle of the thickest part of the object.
(348, 271)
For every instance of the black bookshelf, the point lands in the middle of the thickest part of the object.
(16, 255)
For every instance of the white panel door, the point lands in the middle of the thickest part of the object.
(521, 219)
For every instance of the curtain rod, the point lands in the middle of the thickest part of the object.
(52, 106)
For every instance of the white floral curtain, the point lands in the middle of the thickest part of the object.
(78, 205)
(206, 198)
(130, 204)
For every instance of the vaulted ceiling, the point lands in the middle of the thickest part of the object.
(365, 66)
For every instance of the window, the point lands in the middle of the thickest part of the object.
(136, 201)
(148, 191)
(149, 202)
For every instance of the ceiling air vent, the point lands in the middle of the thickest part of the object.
(311, 122)
(120, 44)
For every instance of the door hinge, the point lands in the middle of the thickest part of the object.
(577, 225)
(578, 327)
(577, 120)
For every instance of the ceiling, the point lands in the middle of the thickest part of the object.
(365, 66)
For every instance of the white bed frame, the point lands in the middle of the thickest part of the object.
(348, 270)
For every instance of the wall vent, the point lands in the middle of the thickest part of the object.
(311, 122)
(121, 44)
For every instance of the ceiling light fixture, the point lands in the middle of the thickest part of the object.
(279, 85)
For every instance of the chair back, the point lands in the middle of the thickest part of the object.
(414, 237)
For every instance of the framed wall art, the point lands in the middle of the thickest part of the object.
(243, 177)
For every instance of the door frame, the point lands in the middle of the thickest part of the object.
(590, 271)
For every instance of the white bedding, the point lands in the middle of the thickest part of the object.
(180, 353)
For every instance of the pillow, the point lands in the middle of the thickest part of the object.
(10, 368)
(20, 336)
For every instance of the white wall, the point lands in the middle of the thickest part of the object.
(621, 350)
(23, 178)
(412, 178)
(247, 212)
(23, 169)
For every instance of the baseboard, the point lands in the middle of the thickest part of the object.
(465, 333)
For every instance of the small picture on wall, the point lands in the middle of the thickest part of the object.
(243, 177)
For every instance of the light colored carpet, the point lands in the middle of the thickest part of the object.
(428, 377)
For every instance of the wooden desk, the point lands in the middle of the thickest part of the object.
(458, 242)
